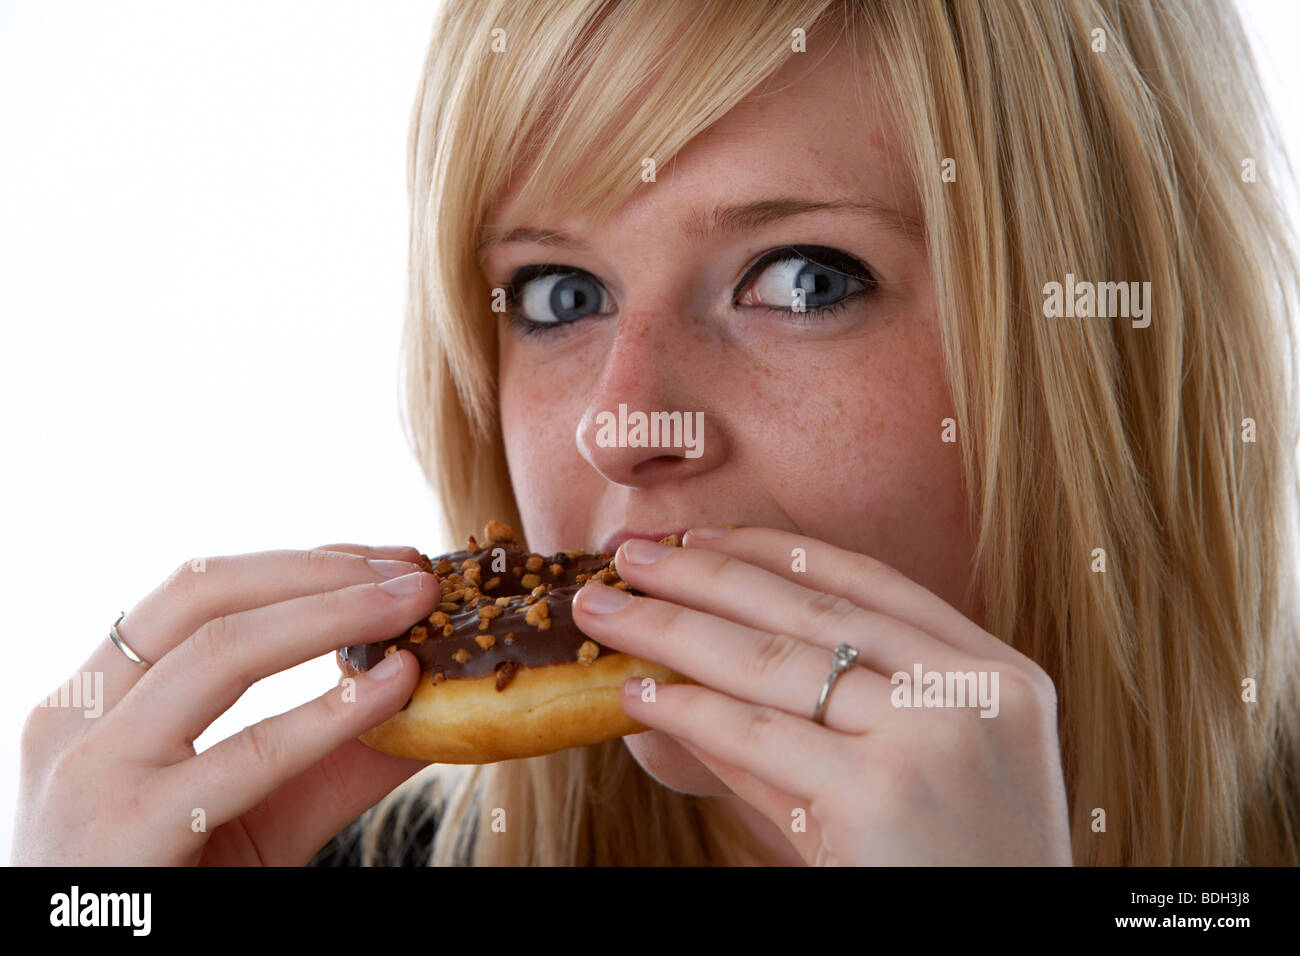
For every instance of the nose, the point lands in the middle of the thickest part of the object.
(651, 419)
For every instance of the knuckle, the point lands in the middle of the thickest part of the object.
(771, 653)
(341, 547)
(668, 617)
(334, 602)
(34, 741)
(332, 569)
(335, 708)
(34, 725)
(1045, 687)
(263, 745)
(188, 575)
(322, 561)
(218, 640)
(760, 724)
(716, 565)
(830, 612)
(873, 570)
(1027, 689)
(70, 763)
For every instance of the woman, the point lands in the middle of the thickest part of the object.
(986, 309)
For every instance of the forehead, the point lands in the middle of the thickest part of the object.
(816, 128)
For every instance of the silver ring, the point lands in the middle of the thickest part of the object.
(844, 657)
(122, 646)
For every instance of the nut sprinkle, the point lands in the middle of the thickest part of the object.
(501, 609)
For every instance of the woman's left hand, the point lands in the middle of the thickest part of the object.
(880, 782)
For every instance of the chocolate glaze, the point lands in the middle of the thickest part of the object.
(529, 647)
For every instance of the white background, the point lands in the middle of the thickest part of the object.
(203, 235)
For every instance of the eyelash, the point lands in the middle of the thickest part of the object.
(824, 256)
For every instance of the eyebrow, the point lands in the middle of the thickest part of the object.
(699, 225)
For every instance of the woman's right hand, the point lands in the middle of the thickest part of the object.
(126, 788)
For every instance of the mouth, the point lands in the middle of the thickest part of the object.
(612, 543)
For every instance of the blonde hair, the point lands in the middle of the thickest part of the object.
(1122, 163)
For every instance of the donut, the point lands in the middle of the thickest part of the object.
(504, 671)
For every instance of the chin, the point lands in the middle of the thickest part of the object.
(672, 765)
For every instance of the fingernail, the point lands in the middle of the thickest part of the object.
(390, 666)
(603, 599)
(406, 584)
(707, 532)
(641, 551)
(632, 687)
(391, 569)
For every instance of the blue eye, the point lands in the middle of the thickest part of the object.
(545, 298)
(555, 295)
(823, 278)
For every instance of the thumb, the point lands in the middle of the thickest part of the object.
(304, 812)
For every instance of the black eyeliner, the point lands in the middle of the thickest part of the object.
(537, 270)
(825, 256)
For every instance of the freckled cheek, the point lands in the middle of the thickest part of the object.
(520, 432)
(799, 412)
(896, 486)
(911, 426)
(769, 398)
(539, 421)
(872, 425)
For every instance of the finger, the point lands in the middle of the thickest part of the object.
(236, 774)
(791, 754)
(200, 680)
(204, 589)
(772, 669)
(395, 552)
(295, 821)
(867, 582)
(721, 584)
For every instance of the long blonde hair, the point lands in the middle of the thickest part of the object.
(1100, 139)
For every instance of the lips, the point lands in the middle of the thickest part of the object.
(622, 534)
